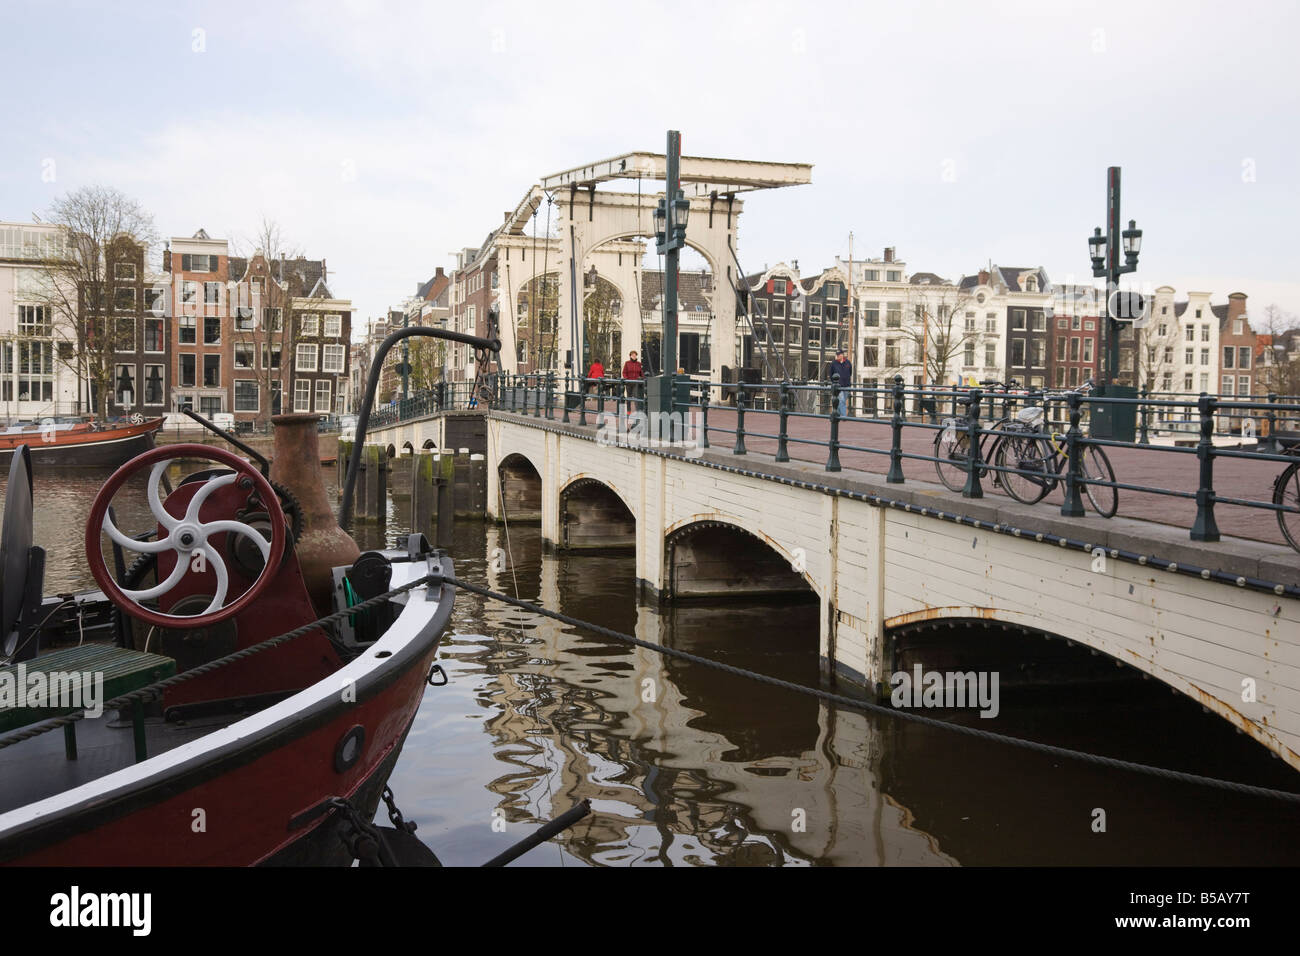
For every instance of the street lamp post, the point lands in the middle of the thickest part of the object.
(1104, 251)
(670, 236)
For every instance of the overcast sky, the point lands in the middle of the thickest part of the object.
(382, 136)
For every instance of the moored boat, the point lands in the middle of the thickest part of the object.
(79, 444)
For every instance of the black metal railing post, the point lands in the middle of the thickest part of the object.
(783, 415)
(582, 398)
(974, 464)
(1272, 425)
(567, 382)
(1205, 528)
(895, 476)
(550, 396)
(1144, 438)
(704, 415)
(1072, 505)
(740, 420)
(833, 446)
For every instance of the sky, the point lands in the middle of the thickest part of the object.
(384, 136)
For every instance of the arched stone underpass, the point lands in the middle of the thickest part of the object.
(521, 489)
(712, 560)
(593, 517)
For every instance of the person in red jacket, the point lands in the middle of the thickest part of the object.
(594, 375)
(632, 374)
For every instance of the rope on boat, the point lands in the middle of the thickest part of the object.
(153, 690)
(872, 707)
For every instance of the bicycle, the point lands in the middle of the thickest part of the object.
(1036, 458)
(952, 443)
(1286, 493)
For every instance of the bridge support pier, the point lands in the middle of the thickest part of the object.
(372, 485)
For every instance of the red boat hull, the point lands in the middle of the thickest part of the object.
(257, 799)
(82, 448)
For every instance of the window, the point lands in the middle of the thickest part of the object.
(1189, 356)
(244, 319)
(123, 299)
(124, 270)
(1238, 326)
(894, 315)
(125, 340)
(990, 355)
(323, 395)
(155, 300)
(187, 369)
(1205, 382)
(1205, 333)
(1243, 356)
(794, 336)
(814, 340)
(211, 330)
(212, 293)
(310, 323)
(1191, 333)
(153, 335)
(1229, 356)
(1017, 320)
(778, 308)
(871, 352)
(305, 358)
(761, 306)
(832, 314)
(1169, 353)
(872, 275)
(246, 395)
(778, 334)
(893, 275)
(872, 314)
(185, 325)
(34, 320)
(814, 311)
(332, 357)
(153, 384)
(1163, 330)
(1243, 385)
(273, 319)
(124, 385)
(1198, 313)
(1187, 382)
(212, 371)
(271, 357)
(1063, 323)
(1089, 326)
(1228, 384)
(245, 357)
(832, 290)
(968, 359)
(1074, 349)
(891, 353)
(1017, 353)
(778, 286)
(1040, 353)
(1038, 320)
(991, 322)
(1205, 356)
(1167, 382)
(334, 321)
(1060, 376)
(1060, 349)
(970, 321)
(1087, 350)
(194, 263)
(302, 395)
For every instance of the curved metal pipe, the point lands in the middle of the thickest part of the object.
(368, 401)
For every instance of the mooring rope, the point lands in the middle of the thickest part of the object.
(875, 708)
(152, 690)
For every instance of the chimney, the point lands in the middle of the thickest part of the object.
(437, 273)
(796, 264)
(167, 256)
(324, 272)
(984, 277)
(889, 253)
(1237, 305)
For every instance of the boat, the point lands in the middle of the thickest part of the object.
(82, 444)
(277, 758)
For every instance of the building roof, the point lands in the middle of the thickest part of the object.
(691, 292)
(927, 278)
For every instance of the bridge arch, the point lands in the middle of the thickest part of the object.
(520, 484)
(408, 448)
(429, 445)
(719, 559)
(391, 451)
(595, 516)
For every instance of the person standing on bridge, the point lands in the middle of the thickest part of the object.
(841, 371)
(632, 375)
(594, 375)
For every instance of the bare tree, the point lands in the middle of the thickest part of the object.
(938, 332)
(107, 237)
(266, 323)
(601, 324)
(1278, 368)
(1156, 348)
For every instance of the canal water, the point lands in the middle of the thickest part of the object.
(689, 766)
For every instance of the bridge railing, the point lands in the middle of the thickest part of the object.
(441, 397)
(1055, 450)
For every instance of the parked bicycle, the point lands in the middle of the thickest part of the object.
(1286, 492)
(1036, 457)
(952, 442)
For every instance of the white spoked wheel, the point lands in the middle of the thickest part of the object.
(188, 536)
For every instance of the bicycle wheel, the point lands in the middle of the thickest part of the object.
(1286, 491)
(1031, 456)
(1104, 498)
(950, 444)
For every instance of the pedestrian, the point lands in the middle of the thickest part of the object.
(841, 371)
(632, 375)
(594, 374)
